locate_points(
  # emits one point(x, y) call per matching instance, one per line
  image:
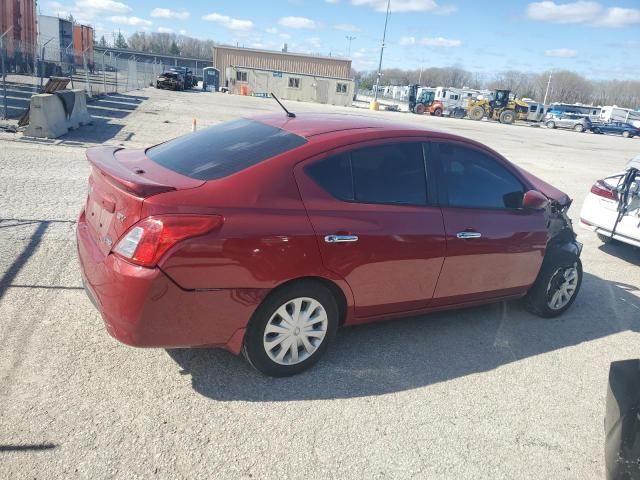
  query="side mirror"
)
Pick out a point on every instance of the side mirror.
point(534, 200)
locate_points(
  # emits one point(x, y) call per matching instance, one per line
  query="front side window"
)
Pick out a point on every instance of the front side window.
point(294, 82)
point(473, 179)
point(393, 173)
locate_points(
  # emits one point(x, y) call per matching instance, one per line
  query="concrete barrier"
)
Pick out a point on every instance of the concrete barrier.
point(48, 119)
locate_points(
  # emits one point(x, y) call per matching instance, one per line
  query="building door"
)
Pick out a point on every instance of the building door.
point(262, 83)
point(322, 91)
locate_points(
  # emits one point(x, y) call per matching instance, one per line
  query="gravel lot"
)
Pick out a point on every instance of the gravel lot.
point(490, 392)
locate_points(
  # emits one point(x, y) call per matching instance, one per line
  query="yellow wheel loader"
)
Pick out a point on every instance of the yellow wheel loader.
point(499, 107)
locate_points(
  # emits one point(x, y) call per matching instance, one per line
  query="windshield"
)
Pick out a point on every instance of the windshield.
point(223, 149)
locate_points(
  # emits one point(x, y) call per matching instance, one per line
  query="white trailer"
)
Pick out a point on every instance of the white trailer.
point(619, 114)
point(455, 98)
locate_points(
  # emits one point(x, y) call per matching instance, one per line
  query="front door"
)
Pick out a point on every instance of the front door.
point(376, 225)
point(494, 247)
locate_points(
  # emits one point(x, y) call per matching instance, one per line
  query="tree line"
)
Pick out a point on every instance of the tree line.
point(565, 86)
point(163, 44)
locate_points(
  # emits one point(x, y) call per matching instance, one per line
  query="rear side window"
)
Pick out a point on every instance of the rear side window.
point(392, 173)
point(476, 180)
point(224, 149)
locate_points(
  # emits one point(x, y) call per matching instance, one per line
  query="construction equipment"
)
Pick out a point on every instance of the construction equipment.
point(425, 102)
point(500, 107)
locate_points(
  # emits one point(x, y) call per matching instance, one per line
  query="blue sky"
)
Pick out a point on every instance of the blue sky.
point(597, 39)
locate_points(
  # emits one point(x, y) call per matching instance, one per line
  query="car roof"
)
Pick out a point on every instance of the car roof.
point(308, 125)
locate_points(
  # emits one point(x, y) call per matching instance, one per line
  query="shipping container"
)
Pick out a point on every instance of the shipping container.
point(55, 35)
point(18, 18)
point(83, 42)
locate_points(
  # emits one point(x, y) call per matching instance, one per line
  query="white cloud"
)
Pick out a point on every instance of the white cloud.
point(620, 17)
point(133, 21)
point(408, 41)
point(398, 5)
point(445, 10)
point(104, 6)
point(297, 22)
point(346, 27)
point(561, 52)
point(230, 23)
point(272, 30)
point(440, 42)
point(583, 12)
point(168, 13)
point(284, 36)
point(165, 30)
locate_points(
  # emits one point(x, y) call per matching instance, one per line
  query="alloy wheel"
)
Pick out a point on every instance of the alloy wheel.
point(295, 331)
point(562, 287)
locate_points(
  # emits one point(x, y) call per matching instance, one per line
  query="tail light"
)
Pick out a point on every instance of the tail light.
point(148, 240)
point(602, 190)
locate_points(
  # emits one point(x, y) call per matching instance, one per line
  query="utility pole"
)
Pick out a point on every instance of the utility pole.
point(546, 93)
point(349, 38)
point(384, 37)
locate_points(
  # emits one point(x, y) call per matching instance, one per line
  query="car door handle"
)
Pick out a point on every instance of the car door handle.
point(340, 238)
point(466, 235)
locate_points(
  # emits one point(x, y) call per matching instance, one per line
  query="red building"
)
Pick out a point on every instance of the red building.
point(20, 42)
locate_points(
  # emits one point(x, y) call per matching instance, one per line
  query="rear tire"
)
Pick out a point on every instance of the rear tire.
point(419, 109)
point(551, 125)
point(437, 112)
point(596, 131)
point(275, 343)
point(508, 117)
point(556, 287)
point(476, 113)
point(626, 134)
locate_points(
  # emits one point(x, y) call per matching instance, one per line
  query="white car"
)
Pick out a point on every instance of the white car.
point(612, 209)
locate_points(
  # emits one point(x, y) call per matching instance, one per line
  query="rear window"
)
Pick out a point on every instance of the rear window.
point(224, 149)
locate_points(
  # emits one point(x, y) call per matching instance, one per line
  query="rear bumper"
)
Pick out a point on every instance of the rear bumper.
point(143, 307)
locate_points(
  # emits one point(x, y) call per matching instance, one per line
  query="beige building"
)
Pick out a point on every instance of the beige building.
point(290, 76)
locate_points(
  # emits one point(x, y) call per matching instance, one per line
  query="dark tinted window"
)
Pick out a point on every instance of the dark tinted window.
point(334, 175)
point(224, 149)
point(389, 174)
point(476, 180)
point(383, 174)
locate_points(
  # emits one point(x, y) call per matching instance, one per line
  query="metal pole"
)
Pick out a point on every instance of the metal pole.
point(546, 93)
point(384, 37)
point(86, 72)
point(4, 80)
point(349, 38)
point(104, 75)
point(116, 67)
point(42, 63)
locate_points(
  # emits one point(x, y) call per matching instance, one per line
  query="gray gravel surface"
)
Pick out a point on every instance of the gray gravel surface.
point(490, 392)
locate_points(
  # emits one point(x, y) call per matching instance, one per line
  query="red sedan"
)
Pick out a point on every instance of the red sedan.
point(264, 235)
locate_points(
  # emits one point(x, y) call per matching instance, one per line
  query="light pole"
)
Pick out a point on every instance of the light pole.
point(546, 93)
point(384, 37)
point(349, 38)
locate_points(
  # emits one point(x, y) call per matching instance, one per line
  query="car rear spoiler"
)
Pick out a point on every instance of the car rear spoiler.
point(104, 160)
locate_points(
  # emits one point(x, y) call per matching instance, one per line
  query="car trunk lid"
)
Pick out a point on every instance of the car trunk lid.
point(120, 181)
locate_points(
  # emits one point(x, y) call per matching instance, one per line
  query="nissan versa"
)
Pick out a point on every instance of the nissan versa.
point(264, 235)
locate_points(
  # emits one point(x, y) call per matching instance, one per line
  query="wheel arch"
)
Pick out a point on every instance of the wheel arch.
point(336, 290)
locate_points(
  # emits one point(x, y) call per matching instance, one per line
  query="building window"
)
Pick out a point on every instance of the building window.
point(241, 76)
point(294, 82)
point(341, 88)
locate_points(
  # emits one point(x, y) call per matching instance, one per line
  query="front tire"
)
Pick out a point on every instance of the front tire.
point(292, 329)
point(419, 109)
point(437, 112)
point(551, 125)
point(556, 287)
point(476, 113)
point(508, 117)
point(579, 128)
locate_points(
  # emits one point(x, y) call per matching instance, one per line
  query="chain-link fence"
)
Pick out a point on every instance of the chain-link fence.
point(25, 70)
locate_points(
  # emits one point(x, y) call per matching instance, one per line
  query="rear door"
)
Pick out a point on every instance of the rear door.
point(494, 247)
point(376, 223)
